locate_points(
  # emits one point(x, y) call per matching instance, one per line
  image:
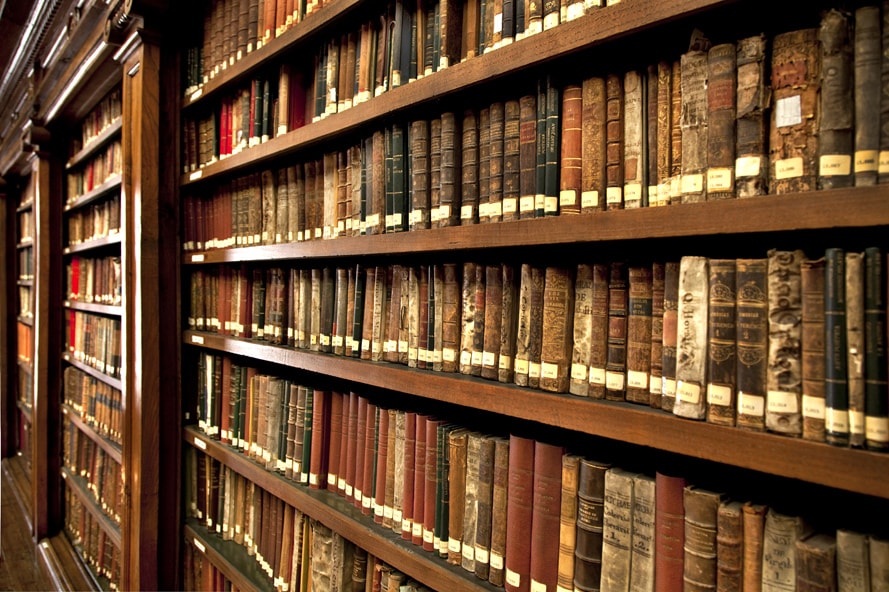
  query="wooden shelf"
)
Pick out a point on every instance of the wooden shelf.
point(111, 239)
point(862, 471)
point(25, 206)
point(78, 485)
point(96, 143)
point(275, 48)
point(229, 557)
point(604, 25)
point(26, 243)
point(334, 512)
point(66, 566)
point(112, 449)
point(112, 183)
point(97, 374)
point(105, 309)
point(812, 210)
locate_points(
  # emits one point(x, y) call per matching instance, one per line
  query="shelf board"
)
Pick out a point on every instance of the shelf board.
point(314, 23)
point(77, 484)
point(24, 409)
point(811, 210)
point(111, 239)
point(110, 184)
point(859, 471)
point(112, 449)
point(333, 511)
point(604, 25)
point(95, 373)
point(25, 243)
point(96, 143)
point(229, 557)
point(105, 309)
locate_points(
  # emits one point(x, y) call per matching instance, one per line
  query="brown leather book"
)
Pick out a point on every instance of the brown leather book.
point(555, 353)
point(478, 330)
point(494, 210)
point(729, 547)
point(721, 342)
point(669, 532)
point(701, 509)
point(393, 315)
point(347, 324)
point(599, 331)
point(450, 194)
point(779, 566)
point(694, 123)
point(431, 477)
point(855, 346)
point(793, 133)
point(390, 435)
point(320, 440)
point(721, 74)
point(676, 134)
point(571, 143)
point(527, 155)
point(420, 175)
point(368, 485)
point(451, 318)
point(691, 355)
point(469, 200)
point(511, 160)
point(593, 158)
point(752, 96)
point(616, 366)
point(457, 446)
point(752, 342)
point(664, 129)
point(784, 386)
point(366, 336)
point(508, 324)
point(634, 157)
point(335, 448)
point(651, 138)
point(496, 571)
point(535, 332)
point(419, 512)
point(468, 316)
point(815, 560)
point(452, 31)
point(374, 222)
point(614, 142)
point(639, 320)
point(379, 312)
point(470, 500)
point(867, 76)
point(340, 311)
point(410, 460)
point(658, 283)
point(617, 530)
point(484, 162)
point(436, 292)
point(642, 556)
point(835, 141)
point(484, 505)
point(583, 326)
point(590, 511)
point(493, 315)
point(568, 520)
point(853, 568)
point(754, 521)
point(547, 484)
point(523, 332)
point(520, 499)
point(434, 172)
point(398, 482)
point(413, 320)
point(812, 287)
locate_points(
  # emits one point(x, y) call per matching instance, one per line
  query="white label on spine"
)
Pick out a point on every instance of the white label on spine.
point(782, 402)
point(406, 525)
point(481, 554)
point(836, 420)
point(692, 183)
point(719, 179)
point(505, 363)
point(534, 370)
point(512, 578)
point(521, 366)
point(633, 193)
point(489, 359)
point(688, 392)
point(466, 213)
point(454, 545)
point(567, 197)
point(498, 23)
point(636, 379)
point(387, 512)
point(788, 111)
point(197, 258)
point(550, 21)
point(813, 407)
point(448, 354)
point(200, 443)
point(550, 371)
point(509, 205)
point(597, 376)
point(579, 372)
point(866, 161)
point(200, 546)
point(551, 204)
point(718, 394)
point(417, 529)
point(199, 339)
point(656, 385)
point(834, 164)
point(468, 552)
point(752, 405)
point(537, 586)
point(884, 162)
point(465, 358)
point(613, 195)
point(856, 422)
point(789, 168)
point(526, 203)
point(496, 560)
point(194, 176)
point(614, 380)
point(877, 428)
point(589, 199)
point(476, 358)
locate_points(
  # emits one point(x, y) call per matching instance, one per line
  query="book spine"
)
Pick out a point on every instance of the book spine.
point(593, 145)
point(721, 84)
point(676, 133)
point(558, 303)
point(836, 394)
point(590, 516)
point(614, 142)
point(752, 342)
point(634, 134)
point(493, 211)
point(511, 160)
point(484, 503)
point(835, 142)
point(469, 204)
point(570, 175)
point(496, 572)
point(664, 125)
point(701, 509)
point(867, 74)
point(778, 557)
point(583, 321)
point(721, 342)
point(669, 532)
point(651, 135)
point(493, 314)
point(508, 325)
point(547, 484)
point(527, 155)
point(520, 492)
point(692, 351)
point(450, 194)
point(694, 126)
point(671, 325)
point(470, 505)
point(616, 366)
point(812, 287)
point(420, 175)
point(535, 331)
point(783, 394)
point(451, 318)
point(639, 319)
point(552, 151)
point(642, 555)
point(729, 547)
point(754, 521)
point(617, 530)
point(457, 448)
point(658, 284)
point(568, 522)
point(883, 168)
point(876, 421)
point(855, 354)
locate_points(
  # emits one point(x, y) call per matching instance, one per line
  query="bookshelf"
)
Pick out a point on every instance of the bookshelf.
point(625, 36)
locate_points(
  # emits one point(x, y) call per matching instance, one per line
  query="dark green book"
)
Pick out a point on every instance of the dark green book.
point(836, 393)
point(307, 437)
point(358, 308)
point(553, 133)
point(876, 403)
point(400, 178)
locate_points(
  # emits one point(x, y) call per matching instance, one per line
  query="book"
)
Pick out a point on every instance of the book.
point(499, 502)
point(669, 532)
point(752, 342)
point(468, 318)
point(520, 500)
point(836, 393)
point(754, 523)
point(639, 321)
point(634, 156)
point(835, 143)
point(558, 303)
point(484, 506)
point(616, 366)
point(527, 155)
point(721, 85)
point(599, 331)
point(692, 351)
point(852, 561)
point(545, 512)
point(694, 123)
point(568, 521)
point(721, 346)
point(470, 503)
point(671, 325)
point(779, 565)
point(512, 142)
point(469, 204)
point(593, 145)
point(878, 548)
point(490, 366)
point(509, 310)
point(450, 318)
point(614, 145)
point(815, 560)
point(617, 530)
point(876, 405)
point(571, 145)
point(812, 287)
point(867, 74)
point(701, 510)
point(590, 512)
point(583, 326)
point(855, 346)
point(730, 546)
point(552, 150)
point(642, 556)
point(664, 130)
point(493, 196)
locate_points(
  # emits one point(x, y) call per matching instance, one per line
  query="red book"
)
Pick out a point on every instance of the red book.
point(335, 442)
point(431, 468)
point(368, 465)
point(419, 481)
point(519, 506)
point(669, 533)
point(545, 516)
point(320, 440)
point(382, 438)
point(407, 496)
point(358, 468)
point(351, 440)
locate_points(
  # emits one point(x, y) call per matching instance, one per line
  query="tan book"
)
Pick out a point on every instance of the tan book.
point(812, 285)
point(568, 520)
point(694, 123)
point(852, 561)
point(701, 510)
point(451, 318)
point(816, 562)
point(642, 566)
point(751, 111)
point(639, 319)
point(457, 442)
point(508, 324)
point(617, 530)
point(730, 547)
point(754, 522)
point(664, 129)
point(691, 355)
point(592, 163)
point(468, 317)
point(779, 565)
point(635, 184)
point(658, 279)
point(558, 304)
point(583, 326)
point(855, 346)
point(490, 366)
point(496, 571)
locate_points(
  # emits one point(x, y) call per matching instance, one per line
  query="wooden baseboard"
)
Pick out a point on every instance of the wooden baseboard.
point(63, 566)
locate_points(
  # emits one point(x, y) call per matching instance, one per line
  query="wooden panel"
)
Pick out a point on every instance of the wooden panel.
point(64, 566)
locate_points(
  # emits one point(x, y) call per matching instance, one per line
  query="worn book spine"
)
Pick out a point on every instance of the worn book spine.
point(593, 134)
point(498, 511)
point(478, 325)
point(664, 125)
point(836, 393)
point(520, 499)
point(590, 511)
point(617, 530)
point(435, 328)
point(694, 126)
point(815, 558)
point(658, 284)
point(754, 522)
point(583, 324)
point(837, 112)
point(651, 137)
point(639, 334)
point(535, 327)
point(855, 355)
point(721, 76)
point(470, 500)
point(634, 155)
point(552, 150)
point(701, 509)
point(852, 561)
point(555, 353)
point(527, 154)
point(616, 365)
point(469, 201)
point(571, 144)
point(419, 509)
point(484, 504)
point(434, 172)
point(405, 527)
point(642, 555)
point(545, 511)
point(457, 446)
point(511, 161)
point(879, 562)
point(492, 211)
point(676, 134)
point(730, 547)
point(568, 522)
point(415, 356)
point(420, 175)
point(783, 394)
point(669, 532)
point(599, 331)
point(779, 565)
point(812, 287)
point(867, 65)
point(431, 475)
point(450, 318)
point(671, 325)
point(752, 342)
point(721, 342)
point(883, 168)
point(692, 350)
point(493, 315)
point(793, 132)
point(450, 192)
point(614, 142)
point(876, 405)
point(508, 324)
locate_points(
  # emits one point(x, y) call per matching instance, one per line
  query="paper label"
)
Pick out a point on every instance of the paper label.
point(417, 529)
point(373, 220)
point(789, 168)
point(567, 197)
point(551, 204)
point(877, 428)
point(498, 23)
point(834, 164)
point(884, 162)
point(466, 213)
point(537, 586)
point(521, 366)
point(200, 546)
point(197, 258)
point(550, 371)
point(526, 203)
point(788, 111)
point(199, 339)
point(856, 422)
point(753, 405)
point(534, 370)
point(813, 407)
point(719, 179)
point(718, 394)
point(549, 21)
point(692, 183)
point(505, 363)
point(476, 358)
point(613, 195)
point(655, 385)
point(867, 161)
point(481, 554)
point(589, 199)
point(597, 376)
point(747, 166)
point(633, 192)
point(489, 359)
point(513, 579)
point(575, 11)
point(579, 372)
point(636, 379)
point(509, 205)
point(200, 443)
point(444, 212)
point(663, 194)
point(454, 545)
point(836, 420)
point(195, 175)
point(782, 402)
point(688, 392)
point(448, 354)
point(614, 381)
point(468, 552)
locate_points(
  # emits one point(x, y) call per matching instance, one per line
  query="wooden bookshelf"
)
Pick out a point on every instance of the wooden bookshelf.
point(230, 558)
point(111, 448)
point(99, 141)
point(109, 186)
point(99, 243)
point(95, 373)
point(104, 309)
point(78, 485)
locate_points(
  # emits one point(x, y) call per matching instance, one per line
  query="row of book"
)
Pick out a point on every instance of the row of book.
point(102, 475)
point(105, 113)
point(94, 340)
point(93, 279)
point(94, 172)
point(26, 264)
point(25, 300)
point(95, 221)
point(25, 226)
point(515, 511)
point(97, 404)
point(90, 540)
point(25, 342)
point(785, 343)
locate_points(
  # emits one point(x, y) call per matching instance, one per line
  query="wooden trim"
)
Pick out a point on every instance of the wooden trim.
point(111, 239)
point(63, 565)
point(230, 558)
point(97, 374)
point(858, 207)
point(77, 484)
point(105, 309)
point(112, 183)
point(18, 479)
point(333, 511)
point(112, 130)
point(111, 448)
point(815, 462)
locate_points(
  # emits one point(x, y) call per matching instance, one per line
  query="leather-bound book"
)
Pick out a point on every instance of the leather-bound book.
point(779, 566)
point(793, 135)
point(364, 328)
point(484, 505)
point(592, 134)
point(752, 342)
point(484, 161)
point(701, 509)
point(583, 325)
point(676, 134)
point(816, 562)
point(835, 141)
point(420, 175)
point(558, 304)
point(568, 521)
point(639, 335)
point(599, 331)
point(754, 522)
point(520, 499)
point(535, 347)
point(523, 327)
point(469, 169)
point(590, 511)
point(651, 139)
point(614, 142)
point(511, 160)
point(494, 210)
point(553, 149)
point(336, 441)
point(478, 331)
point(442, 493)
point(435, 322)
point(721, 342)
point(634, 165)
point(721, 73)
point(544, 566)
point(430, 492)
point(671, 325)
point(617, 530)
point(320, 440)
point(784, 387)
point(467, 320)
point(379, 312)
point(451, 318)
point(664, 125)
point(508, 323)
point(852, 561)
point(836, 392)
point(434, 172)
point(694, 123)
point(457, 446)
point(571, 144)
point(498, 511)
point(347, 321)
point(413, 320)
point(855, 355)
point(642, 556)
point(340, 309)
point(691, 354)
point(876, 405)
point(392, 461)
point(425, 307)
point(419, 511)
point(812, 286)
point(867, 64)
point(527, 155)
point(470, 500)
point(616, 365)
point(493, 314)
point(368, 482)
point(657, 334)
point(407, 496)
point(669, 529)
point(450, 193)
point(451, 33)
point(730, 547)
